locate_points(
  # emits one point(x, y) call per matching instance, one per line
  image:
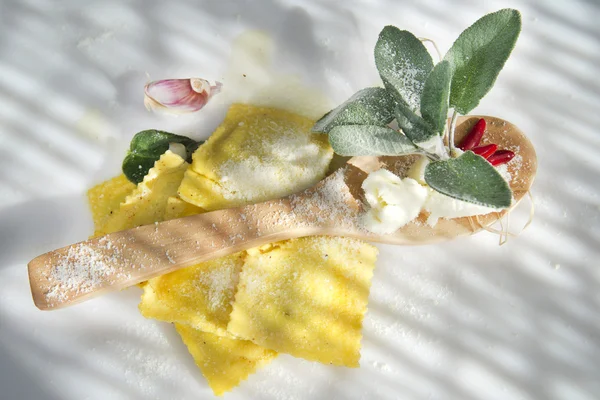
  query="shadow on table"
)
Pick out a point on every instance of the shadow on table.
point(34, 227)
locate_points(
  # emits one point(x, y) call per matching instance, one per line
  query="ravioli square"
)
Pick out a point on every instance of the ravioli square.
point(306, 297)
point(199, 296)
point(256, 154)
point(177, 208)
point(147, 203)
point(202, 192)
point(105, 199)
point(224, 362)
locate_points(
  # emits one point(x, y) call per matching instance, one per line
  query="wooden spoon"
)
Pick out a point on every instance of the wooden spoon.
point(332, 207)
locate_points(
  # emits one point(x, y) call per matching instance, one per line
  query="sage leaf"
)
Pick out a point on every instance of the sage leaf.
point(419, 131)
point(136, 166)
point(370, 106)
point(369, 140)
point(478, 55)
point(145, 149)
point(403, 63)
point(469, 178)
point(436, 96)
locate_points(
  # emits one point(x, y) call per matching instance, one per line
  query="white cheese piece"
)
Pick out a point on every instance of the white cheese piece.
point(441, 206)
point(394, 202)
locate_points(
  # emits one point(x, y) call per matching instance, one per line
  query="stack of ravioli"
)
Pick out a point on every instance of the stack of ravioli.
point(305, 297)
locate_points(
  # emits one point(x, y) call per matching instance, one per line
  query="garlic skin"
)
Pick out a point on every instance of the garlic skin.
point(179, 96)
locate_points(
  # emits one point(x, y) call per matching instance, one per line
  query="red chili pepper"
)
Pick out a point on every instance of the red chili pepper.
point(485, 151)
point(501, 157)
point(473, 139)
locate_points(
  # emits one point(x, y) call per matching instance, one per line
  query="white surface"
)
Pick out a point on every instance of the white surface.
point(462, 320)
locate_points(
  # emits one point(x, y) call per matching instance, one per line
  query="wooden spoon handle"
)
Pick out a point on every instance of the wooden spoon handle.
point(74, 273)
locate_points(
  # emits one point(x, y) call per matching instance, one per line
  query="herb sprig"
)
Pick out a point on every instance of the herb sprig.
point(419, 94)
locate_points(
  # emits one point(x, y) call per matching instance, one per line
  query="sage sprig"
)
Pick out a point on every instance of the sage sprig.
point(469, 173)
point(419, 95)
point(370, 106)
point(419, 131)
point(478, 55)
point(403, 63)
point(436, 95)
point(351, 140)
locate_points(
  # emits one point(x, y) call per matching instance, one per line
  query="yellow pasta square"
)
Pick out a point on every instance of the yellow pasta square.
point(256, 154)
point(199, 296)
point(198, 299)
point(177, 208)
point(224, 362)
point(306, 297)
point(147, 203)
point(200, 191)
point(105, 199)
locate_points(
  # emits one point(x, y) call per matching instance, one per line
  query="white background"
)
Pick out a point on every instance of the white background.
point(461, 320)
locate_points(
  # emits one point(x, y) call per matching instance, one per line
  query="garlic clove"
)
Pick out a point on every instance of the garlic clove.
point(179, 96)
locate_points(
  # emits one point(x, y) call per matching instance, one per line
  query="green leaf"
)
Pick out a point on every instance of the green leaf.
point(469, 178)
point(418, 130)
point(145, 149)
point(403, 63)
point(152, 141)
point(369, 140)
point(136, 166)
point(478, 55)
point(370, 106)
point(436, 96)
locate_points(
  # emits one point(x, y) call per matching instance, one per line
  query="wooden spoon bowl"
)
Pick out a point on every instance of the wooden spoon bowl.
point(332, 207)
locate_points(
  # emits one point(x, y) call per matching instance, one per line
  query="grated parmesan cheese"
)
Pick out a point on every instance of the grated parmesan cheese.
point(329, 202)
point(251, 177)
point(84, 269)
point(221, 283)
